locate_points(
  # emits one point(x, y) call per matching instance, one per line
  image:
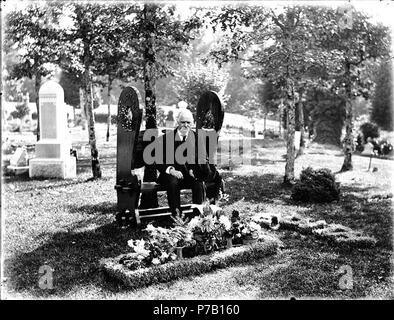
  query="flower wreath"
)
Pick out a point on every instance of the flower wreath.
point(128, 116)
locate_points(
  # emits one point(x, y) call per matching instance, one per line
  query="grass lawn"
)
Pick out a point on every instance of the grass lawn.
point(69, 225)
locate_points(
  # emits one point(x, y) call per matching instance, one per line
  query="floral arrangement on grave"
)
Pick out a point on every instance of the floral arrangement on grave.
point(209, 229)
point(251, 231)
point(242, 230)
point(204, 233)
point(159, 248)
point(209, 120)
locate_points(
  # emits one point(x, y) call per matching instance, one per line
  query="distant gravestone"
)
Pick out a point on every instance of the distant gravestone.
point(52, 158)
point(19, 158)
point(19, 161)
point(368, 149)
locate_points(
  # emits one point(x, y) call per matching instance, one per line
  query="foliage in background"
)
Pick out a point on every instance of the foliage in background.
point(276, 46)
point(103, 118)
point(269, 95)
point(353, 41)
point(194, 79)
point(32, 35)
point(382, 103)
point(369, 130)
point(239, 89)
point(21, 111)
point(327, 115)
point(71, 83)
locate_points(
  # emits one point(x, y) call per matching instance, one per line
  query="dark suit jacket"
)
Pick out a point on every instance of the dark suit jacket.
point(201, 171)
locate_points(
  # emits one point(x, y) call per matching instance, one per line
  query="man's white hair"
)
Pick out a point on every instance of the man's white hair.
point(185, 115)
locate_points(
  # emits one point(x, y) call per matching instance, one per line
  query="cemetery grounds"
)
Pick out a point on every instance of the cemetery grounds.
point(69, 225)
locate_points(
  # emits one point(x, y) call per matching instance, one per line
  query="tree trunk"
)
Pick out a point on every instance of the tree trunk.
point(149, 200)
point(88, 97)
point(348, 143)
point(265, 121)
point(280, 116)
point(109, 106)
point(302, 124)
point(37, 89)
point(290, 157)
point(82, 105)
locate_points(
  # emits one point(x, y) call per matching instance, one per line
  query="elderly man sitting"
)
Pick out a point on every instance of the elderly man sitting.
point(179, 171)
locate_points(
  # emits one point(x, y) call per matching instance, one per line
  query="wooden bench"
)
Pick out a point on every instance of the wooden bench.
point(129, 150)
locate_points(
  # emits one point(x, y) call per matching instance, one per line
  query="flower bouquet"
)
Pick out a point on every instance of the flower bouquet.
point(209, 229)
point(146, 253)
point(160, 246)
point(250, 232)
point(234, 232)
point(242, 231)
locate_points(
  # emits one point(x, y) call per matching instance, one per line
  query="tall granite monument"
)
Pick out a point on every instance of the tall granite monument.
point(52, 158)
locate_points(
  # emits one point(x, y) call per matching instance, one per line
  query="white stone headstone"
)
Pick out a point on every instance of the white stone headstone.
point(19, 158)
point(368, 149)
point(53, 158)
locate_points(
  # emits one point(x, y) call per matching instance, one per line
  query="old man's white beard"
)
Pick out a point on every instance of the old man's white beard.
point(183, 131)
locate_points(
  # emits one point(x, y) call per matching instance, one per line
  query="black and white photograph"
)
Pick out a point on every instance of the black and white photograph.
point(209, 151)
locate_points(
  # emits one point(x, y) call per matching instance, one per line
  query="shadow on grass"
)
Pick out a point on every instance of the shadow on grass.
point(309, 269)
point(106, 207)
point(256, 188)
point(57, 183)
point(74, 257)
point(360, 210)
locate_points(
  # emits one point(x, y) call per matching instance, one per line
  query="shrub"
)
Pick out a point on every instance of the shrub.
point(316, 186)
point(269, 133)
point(369, 129)
point(359, 143)
point(21, 111)
point(102, 118)
point(170, 116)
point(385, 147)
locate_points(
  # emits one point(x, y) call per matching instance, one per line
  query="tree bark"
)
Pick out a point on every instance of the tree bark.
point(88, 97)
point(37, 89)
point(348, 143)
point(82, 106)
point(149, 200)
point(290, 156)
point(280, 116)
point(301, 123)
point(109, 106)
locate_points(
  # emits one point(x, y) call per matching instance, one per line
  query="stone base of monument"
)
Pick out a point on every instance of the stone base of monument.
point(53, 168)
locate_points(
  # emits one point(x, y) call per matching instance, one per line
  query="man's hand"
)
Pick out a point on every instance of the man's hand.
point(191, 174)
point(176, 174)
